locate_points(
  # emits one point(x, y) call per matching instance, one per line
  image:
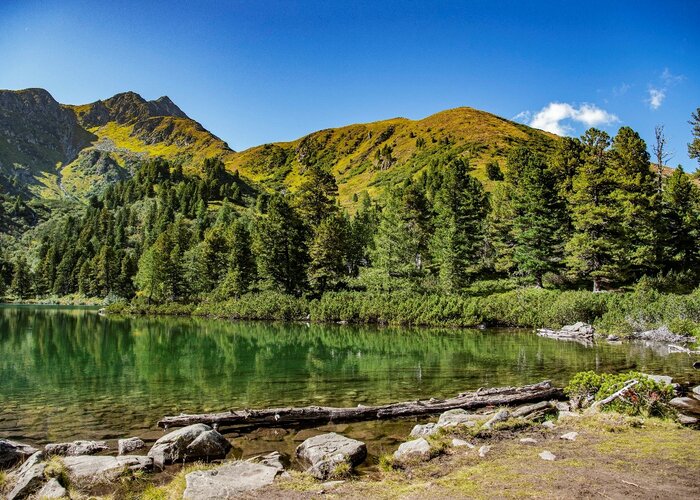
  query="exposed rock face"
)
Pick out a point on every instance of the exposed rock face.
point(194, 442)
point(91, 469)
point(326, 451)
point(12, 452)
point(28, 479)
point(229, 480)
point(76, 448)
point(662, 334)
point(418, 449)
point(129, 445)
point(52, 489)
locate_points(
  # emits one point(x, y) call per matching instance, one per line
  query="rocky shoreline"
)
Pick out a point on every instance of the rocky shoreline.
point(68, 470)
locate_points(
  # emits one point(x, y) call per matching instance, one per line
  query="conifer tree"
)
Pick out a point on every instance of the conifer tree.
point(694, 145)
point(241, 270)
point(315, 199)
point(458, 243)
point(21, 285)
point(327, 267)
point(681, 218)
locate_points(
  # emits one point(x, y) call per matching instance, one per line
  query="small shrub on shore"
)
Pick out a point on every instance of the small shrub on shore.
point(646, 398)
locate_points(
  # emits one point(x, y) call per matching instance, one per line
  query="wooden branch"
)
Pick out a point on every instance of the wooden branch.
point(288, 417)
point(613, 397)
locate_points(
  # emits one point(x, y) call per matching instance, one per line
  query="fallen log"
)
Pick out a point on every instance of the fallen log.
point(287, 417)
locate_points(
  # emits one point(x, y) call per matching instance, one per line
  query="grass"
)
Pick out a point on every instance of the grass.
point(176, 487)
point(55, 468)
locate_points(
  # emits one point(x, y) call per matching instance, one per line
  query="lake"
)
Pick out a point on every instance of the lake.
point(69, 373)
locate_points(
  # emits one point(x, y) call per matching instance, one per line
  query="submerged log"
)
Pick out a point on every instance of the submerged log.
point(281, 417)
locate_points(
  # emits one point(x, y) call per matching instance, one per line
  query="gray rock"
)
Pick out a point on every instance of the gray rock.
point(424, 430)
point(75, 448)
point(500, 416)
point(52, 489)
point(662, 334)
point(528, 441)
point(562, 406)
point(568, 414)
point(484, 450)
point(569, 436)
point(273, 459)
point(686, 419)
point(696, 390)
point(28, 478)
point(659, 379)
point(686, 405)
point(459, 443)
point(12, 452)
point(612, 338)
point(453, 418)
point(228, 480)
point(88, 469)
point(326, 451)
point(418, 449)
point(548, 424)
point(548, 455)
point(129, 445)
point(194, 442)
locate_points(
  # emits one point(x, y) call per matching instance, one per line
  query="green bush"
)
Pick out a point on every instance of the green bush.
point(646, 398)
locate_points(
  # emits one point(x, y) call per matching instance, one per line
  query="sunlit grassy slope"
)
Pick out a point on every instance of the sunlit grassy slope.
point(359, 154)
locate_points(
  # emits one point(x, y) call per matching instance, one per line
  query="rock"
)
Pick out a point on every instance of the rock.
point(129, 445)
point(612, 338)
point(528, 441)
point(580, 332)
point(484, 450)
point(548, 455)
point(569, 436)
point(659, 379)
point(329, 485)
point(424, 430)
point(686, 404)
point(562, 406)
point(580, 328)
point(548, 424)
point(696, 390)
point(29, 480)
point(418, 449)
point(89, 469)
point(534, 410)
point(194, 442)
point(568, 414)
point(458, 443)
point(273, 459)
point(12, 452)
point(500, 416)
point(228, 480)
point(686, 419)
point(662, 334)
point(75, 448)
point(52, 489)
point(453, 418)
point(326, 451)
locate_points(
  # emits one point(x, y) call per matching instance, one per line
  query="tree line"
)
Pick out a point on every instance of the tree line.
point(595, 212)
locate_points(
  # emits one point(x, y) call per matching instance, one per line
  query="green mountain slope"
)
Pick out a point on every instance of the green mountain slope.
point(53, 151)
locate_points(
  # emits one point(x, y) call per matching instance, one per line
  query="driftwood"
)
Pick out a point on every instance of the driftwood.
point(613, 397)
point(281, 417)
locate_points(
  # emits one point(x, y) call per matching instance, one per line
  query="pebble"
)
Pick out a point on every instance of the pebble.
point(548, 455)
point(548, 424)
point(570, 436)
point(484, 450)
point(461, 442)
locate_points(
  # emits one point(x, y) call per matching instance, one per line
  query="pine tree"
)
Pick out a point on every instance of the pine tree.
point(539, 215)
point(458, 243)
point(694, 145)
point(595, 251)
point(401, 243)
point(500, 238)
point(315, 199)
point(681, 218)
point(241, 271)
point(363, 229)
point(327, 268)
point(280, 247)
point(21, 285)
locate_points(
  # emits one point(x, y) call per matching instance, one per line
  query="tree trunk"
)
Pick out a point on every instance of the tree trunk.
point(290, 417)
point(596, 285)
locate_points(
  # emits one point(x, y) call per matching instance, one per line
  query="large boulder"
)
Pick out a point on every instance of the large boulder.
point(28, 479)
point(416, 450)
point(76, 448)
point(88, 469)
point(12, 452)
point(326, 452)
point(228, 480)
point(194, 442)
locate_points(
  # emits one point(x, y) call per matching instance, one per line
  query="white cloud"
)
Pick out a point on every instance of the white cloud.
point(550, 117)
point(522, 117)
point(656, 97)
point(670, 79)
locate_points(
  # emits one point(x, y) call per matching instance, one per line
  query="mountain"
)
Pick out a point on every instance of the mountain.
point(52, 150)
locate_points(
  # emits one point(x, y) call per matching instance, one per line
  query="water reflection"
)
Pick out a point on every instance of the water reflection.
point(68, 373)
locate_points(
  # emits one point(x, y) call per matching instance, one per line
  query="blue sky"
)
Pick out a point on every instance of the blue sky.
point(255, 72)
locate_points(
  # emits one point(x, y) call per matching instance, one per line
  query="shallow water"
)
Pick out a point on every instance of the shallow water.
point(69, 373)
